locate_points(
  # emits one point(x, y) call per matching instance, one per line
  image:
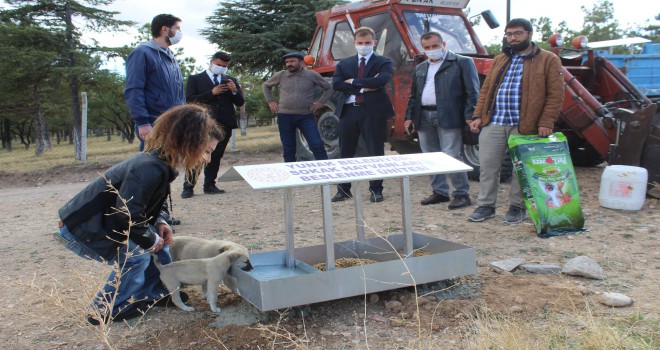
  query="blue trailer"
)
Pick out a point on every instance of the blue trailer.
point(643, 68)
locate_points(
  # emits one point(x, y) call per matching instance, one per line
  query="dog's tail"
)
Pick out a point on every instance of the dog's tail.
point(157, 262)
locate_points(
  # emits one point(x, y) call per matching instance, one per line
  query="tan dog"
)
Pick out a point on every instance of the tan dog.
point(187, 247)
point(208, 273)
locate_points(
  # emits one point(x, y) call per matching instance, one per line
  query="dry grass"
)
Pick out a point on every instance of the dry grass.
point(580, 329)
point(103, 152)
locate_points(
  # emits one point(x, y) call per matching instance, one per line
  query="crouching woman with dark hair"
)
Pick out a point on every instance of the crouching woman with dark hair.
point(116, 218)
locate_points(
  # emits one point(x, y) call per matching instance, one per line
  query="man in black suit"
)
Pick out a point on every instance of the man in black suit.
point(220, 93)
point(366, 105)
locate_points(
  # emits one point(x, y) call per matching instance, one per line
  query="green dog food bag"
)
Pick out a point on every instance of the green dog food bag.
point(545, 172)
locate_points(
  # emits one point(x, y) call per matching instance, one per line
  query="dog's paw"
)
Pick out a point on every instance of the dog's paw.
point(188, 308)
point(216, 309)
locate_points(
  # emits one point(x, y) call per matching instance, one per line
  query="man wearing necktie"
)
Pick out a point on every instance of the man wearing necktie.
point(366, 106)
point(220, 93)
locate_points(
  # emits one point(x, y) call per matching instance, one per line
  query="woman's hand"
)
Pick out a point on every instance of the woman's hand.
point(157, 246)
point(165, 231)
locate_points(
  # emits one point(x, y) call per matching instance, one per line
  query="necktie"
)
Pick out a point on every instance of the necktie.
point(215, 80)
point(359, 98)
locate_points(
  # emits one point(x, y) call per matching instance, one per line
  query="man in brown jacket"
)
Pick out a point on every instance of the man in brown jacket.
point(522, 95)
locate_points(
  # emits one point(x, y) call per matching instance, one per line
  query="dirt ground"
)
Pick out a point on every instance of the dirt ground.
point(45, 288)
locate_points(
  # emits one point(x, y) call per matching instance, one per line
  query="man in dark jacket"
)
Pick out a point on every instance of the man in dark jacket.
point(154, 82)
point(365, 106)
point(444, 92)
point(522, 95)
point(220, 92)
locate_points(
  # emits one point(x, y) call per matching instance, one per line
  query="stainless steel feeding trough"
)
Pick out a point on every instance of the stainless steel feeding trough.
point(287, 278)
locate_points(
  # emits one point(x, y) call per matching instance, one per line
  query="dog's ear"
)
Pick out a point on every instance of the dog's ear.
point(233, 255)
point(222, 250)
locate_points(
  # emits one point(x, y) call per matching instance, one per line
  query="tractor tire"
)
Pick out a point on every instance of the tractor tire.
point(328, 125)
point(583, 154)
point(471, 157)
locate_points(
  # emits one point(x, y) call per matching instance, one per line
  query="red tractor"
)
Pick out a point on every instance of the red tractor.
point(605, 117)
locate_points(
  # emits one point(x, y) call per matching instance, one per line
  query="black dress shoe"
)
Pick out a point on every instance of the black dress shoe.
point(213, 190)
point(341, 196)
point(187, 193)
point(460, 202)
point(435, 199)
point(376, 197)
point(173, 221)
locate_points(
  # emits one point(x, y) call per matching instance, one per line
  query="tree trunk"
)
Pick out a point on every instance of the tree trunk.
point(108, 132)
point(74, 85)
point(41, 142)
point(6, 134)
point(23, 133)
point(47, 136)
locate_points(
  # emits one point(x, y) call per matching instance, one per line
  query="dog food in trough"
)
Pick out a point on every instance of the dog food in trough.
point(346, 262)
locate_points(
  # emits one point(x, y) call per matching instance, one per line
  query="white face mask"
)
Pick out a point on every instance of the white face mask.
point(219, 70)
point(176, 38)
point(435, 55)
point(364, 50)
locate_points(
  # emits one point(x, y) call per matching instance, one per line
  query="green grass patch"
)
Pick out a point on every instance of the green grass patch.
point(102, 152)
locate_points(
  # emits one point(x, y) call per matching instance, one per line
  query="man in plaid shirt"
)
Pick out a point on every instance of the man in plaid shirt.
point(522, 95)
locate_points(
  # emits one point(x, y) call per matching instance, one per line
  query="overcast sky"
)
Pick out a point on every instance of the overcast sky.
point(193, 13)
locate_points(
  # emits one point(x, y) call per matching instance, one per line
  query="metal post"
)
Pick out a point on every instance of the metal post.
point(327, 229)
point(406, 216)
point(83, 131)
point(288, 225)
point(359, 212)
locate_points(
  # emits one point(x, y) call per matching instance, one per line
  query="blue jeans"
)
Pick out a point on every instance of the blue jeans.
point(139, 278)
point(306, 123)
point(433, 138)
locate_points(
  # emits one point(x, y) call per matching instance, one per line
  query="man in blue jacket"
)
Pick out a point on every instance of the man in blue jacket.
point(444, 92)
point(154, 82)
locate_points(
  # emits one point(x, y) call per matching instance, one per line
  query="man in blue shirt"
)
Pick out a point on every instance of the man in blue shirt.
point(154, 82)
point(522, 94)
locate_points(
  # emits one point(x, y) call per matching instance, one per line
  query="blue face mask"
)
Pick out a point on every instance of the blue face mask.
point(176, 38)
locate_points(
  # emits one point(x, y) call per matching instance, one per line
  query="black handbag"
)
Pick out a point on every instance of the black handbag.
point(470, 138)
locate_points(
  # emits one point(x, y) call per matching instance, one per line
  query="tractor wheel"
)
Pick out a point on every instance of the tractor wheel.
point(583, 154)
point(328, 125)
point(471, 157)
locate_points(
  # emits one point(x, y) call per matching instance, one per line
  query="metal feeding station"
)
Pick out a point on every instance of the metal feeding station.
point(286, 278)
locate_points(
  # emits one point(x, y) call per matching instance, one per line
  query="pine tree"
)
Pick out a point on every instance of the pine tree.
point(59, 15)
point(258, 32)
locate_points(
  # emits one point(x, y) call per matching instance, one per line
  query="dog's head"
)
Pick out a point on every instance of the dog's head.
point(240, 258)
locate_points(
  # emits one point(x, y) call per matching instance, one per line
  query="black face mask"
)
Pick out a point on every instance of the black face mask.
point(521, 46)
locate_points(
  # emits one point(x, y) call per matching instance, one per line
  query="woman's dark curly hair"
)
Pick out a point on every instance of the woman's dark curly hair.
point(181, 134)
